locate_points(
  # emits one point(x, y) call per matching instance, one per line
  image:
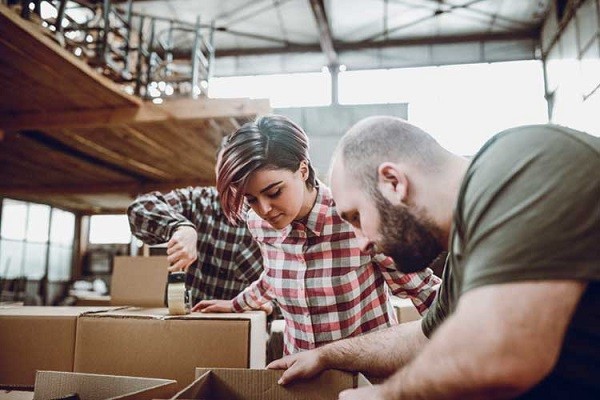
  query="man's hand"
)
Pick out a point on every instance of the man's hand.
point(299, 366)
point(182, 248)
point(216, 306)
point(374, 392)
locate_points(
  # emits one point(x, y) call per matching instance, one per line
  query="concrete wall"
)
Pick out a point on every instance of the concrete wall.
point(571, 54)
point(325, 126)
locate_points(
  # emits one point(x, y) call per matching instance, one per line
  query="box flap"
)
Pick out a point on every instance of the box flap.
point(259, 384)
point(139, 281)
point(51, 385)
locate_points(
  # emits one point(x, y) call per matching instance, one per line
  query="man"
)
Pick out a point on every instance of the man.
point(220, 259)
point(518, 314)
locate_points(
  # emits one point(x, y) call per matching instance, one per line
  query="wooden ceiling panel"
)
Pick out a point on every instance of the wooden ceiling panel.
point(28, 57)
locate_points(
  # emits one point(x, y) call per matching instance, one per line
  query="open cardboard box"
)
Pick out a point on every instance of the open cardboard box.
point(149, 342)
point(53, 385)
point(261, 384)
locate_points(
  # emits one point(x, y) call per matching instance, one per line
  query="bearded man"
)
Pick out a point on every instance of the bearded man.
point(518, 314)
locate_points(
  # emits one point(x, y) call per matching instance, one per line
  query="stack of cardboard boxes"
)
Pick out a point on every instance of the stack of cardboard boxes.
point(97, 347)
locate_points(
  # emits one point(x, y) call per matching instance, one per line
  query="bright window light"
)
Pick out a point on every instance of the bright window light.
point(462, 106)
point(284, 90)
point(62, 230)
point(14, 217)
point(38, 223)
point(109, 229)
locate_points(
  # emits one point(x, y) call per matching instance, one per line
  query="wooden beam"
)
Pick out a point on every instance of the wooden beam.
point(130, 188)
point(325, 36)
point(28, 48)
point(180, 109)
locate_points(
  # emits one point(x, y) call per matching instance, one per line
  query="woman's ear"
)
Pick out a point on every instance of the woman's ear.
point(392, 182)
point(304, 170)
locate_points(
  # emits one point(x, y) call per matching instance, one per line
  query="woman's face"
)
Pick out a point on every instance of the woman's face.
point(277, 195)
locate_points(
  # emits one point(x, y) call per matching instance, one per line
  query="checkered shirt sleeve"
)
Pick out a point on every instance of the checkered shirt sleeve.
point(228, 258)
point(326, 287)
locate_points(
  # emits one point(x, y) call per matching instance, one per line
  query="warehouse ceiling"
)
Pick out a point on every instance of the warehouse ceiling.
point(271, 36)
point(71, 138)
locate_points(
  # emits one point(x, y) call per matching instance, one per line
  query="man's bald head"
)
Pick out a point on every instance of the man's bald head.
point(375, 140)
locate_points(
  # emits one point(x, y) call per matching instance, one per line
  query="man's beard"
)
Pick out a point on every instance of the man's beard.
point(411, 240)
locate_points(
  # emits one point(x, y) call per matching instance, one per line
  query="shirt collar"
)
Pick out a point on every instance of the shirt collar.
point(315, 220)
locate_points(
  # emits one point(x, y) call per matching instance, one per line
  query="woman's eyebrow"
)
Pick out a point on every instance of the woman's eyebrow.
point(270, 186)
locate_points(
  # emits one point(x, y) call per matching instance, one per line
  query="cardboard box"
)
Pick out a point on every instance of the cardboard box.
point(52, 385)
point(150, 343)
point(249, 384)
point(139, 281)
point(34, 338)
point(405, 310)
point(9, 394)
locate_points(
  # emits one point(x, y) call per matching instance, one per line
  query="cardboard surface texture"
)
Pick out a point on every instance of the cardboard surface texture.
point(405, 310)
point(150, 343)
point(139, 281)
point(52, 385)
point(16, 394)
point(34, 338)
point(249, 384)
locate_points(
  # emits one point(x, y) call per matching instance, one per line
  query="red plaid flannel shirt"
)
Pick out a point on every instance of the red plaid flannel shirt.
point(327, 288)
point(228, 258)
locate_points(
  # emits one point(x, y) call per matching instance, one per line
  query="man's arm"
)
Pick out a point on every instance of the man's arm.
point(153, 217)
point(375, 354)
point(502, 340)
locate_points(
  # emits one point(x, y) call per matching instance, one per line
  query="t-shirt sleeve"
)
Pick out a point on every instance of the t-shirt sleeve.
point(439, 309)
point(530, 209)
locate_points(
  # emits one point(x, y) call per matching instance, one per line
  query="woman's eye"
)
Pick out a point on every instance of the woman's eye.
point(275, 194)
point(250, 201)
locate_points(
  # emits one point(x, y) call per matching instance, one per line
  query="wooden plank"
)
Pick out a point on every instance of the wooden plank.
point(99, 188)
point(183, 109)
point(24, 40)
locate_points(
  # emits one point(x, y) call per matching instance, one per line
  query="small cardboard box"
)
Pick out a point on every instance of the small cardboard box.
point(139, 281)
point(52, 385)
point(254, 384)
point(33, 338)
point(150, 343)
point(405, 310)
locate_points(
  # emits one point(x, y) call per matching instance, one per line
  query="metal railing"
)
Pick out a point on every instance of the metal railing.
point(135, 50)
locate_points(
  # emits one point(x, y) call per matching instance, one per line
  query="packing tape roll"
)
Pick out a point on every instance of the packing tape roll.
point(178, 299)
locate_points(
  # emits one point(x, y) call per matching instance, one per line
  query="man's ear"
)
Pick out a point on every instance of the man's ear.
point(392, 182)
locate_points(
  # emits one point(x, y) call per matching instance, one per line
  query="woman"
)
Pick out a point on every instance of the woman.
point(327, 287)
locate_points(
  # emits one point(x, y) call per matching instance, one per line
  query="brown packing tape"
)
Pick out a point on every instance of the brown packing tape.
point(51, 385)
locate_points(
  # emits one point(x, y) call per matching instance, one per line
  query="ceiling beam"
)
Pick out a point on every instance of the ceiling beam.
point(325, 36)
point(176, 109)
point(107, 188)
point(354, 46)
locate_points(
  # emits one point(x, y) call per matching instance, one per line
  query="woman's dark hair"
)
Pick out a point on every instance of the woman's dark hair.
point(269, 142)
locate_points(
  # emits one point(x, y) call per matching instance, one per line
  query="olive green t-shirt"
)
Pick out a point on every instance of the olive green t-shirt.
point(529, 209)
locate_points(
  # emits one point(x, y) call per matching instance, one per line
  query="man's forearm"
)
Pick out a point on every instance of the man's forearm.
point(377, 354)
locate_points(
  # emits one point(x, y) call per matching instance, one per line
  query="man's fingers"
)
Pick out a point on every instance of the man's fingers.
point(278, 364)
point(178, 266)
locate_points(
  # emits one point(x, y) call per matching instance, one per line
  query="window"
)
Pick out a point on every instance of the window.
point(28, 241)
point(109, 229)
point(462, 106)
point(283, 90)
